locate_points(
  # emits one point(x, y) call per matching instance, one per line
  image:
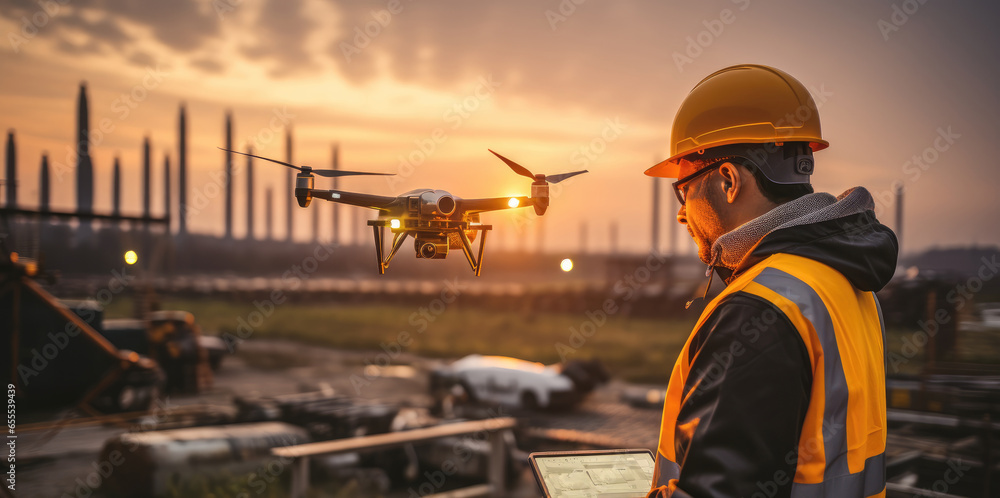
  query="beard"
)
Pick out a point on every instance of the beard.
point(707, 227)
point(704, 247)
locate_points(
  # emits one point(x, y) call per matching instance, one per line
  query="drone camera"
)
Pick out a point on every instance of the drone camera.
point(304, 183)
point(432, 248)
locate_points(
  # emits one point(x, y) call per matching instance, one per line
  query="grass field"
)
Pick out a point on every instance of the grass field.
point(639, 350)
point(633, 349)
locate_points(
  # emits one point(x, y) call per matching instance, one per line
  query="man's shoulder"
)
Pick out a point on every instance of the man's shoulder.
point(745, 321)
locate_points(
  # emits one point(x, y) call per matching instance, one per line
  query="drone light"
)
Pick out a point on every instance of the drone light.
point(513, 202)
point(131, 257)
point(394, 223)
point(566, 264)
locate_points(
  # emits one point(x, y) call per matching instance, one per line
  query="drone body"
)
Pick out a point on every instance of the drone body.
point(437, 220)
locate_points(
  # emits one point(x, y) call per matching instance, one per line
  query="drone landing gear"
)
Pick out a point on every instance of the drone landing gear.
point(378, 227)
point(476, 262)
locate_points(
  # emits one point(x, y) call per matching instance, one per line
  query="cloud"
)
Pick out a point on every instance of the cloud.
point(105, 30)
point(282, 29)
point(142, 59)
point(90, 47)
point(584, 60)
point(179, 24)
point(208, 65)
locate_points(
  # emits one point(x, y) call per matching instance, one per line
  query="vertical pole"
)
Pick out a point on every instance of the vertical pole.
point(674, 208)
point(166, 191)
point(269, 213)
point(229, 175)
point(656, 215)
point(146, 180)
point(300, 477)
point(116, 189)
point(250, 197)
point(43, 184)
point(336, 186)
point(931, 349)
point(899, 216)
point(11, 159)
point(498, 460)
point(290, 185)
point(182, 173)
point(84, 167)
point(15, 328)
point(315, 222)
point(987, 453)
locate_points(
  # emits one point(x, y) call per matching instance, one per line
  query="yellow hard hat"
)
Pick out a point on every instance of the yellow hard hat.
point(747, 103)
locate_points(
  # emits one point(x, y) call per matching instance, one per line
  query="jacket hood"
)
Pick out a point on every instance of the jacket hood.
point(841, 232)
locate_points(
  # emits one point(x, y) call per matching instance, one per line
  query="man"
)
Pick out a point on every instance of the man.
point(780, 389)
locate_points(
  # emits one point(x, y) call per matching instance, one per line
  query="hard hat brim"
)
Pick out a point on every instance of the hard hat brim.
point(671, 167)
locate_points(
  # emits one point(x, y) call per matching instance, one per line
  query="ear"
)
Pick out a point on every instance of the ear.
point(732, 182)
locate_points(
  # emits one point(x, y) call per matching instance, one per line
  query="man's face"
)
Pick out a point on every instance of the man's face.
point(703, 197)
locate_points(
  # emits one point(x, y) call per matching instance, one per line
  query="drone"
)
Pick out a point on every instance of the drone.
point(437, 220)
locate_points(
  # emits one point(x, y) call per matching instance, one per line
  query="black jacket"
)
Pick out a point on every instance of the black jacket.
point(751, 406)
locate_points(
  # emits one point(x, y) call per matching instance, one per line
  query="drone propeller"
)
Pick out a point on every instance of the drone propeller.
point(521, 170)
point(328, 173)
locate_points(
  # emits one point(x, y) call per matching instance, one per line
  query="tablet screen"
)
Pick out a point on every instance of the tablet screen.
point(608, 473)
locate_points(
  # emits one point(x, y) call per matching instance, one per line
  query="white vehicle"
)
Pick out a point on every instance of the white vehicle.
point(518, 383)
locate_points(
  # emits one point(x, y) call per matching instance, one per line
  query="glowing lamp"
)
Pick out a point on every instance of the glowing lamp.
point(394, 223)
point(513, 202)
point(566, 264)
point(131, 257)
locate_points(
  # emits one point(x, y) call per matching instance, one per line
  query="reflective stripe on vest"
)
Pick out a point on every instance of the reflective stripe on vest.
point(837, 478)
point(665, 471)
point(844, 428)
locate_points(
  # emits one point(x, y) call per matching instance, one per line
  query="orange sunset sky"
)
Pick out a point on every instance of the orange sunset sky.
point(554, 85)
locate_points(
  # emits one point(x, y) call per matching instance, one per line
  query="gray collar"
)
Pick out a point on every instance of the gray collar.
point(733, 247)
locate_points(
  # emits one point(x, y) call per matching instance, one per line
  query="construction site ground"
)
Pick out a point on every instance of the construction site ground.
point(53, 462)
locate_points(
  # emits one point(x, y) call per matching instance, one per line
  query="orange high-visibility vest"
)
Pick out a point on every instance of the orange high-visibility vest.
point(841, 449)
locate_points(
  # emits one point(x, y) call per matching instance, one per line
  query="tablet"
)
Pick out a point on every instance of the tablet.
point(604, 473)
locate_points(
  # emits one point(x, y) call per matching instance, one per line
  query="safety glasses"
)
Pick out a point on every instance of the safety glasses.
point(681, 192)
